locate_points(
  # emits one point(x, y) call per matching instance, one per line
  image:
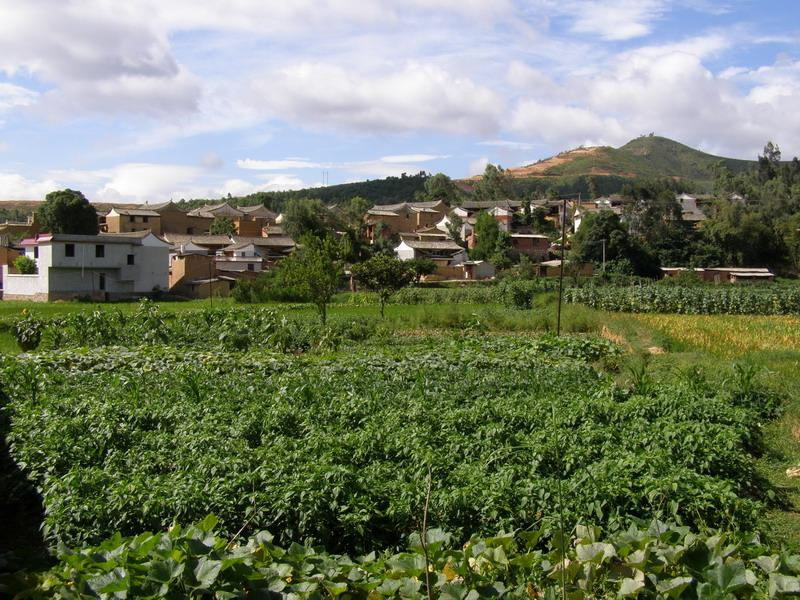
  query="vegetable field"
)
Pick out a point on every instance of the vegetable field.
point(344, 443)
point(337, 449)
point(693, 300)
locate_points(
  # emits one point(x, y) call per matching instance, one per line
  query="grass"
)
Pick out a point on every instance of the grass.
point(710, 345)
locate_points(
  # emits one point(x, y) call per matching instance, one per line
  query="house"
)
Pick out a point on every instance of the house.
point(405, 217)
point(196, 276)
point(533, 245)
point(102, 267)
point(552, 268)
point(175, 220)
point(477, 269)
point(127, 220)
point(241, 256)
point(689, 209)
point(446, 254)
point(17, 230)
point(724, 274)
point(247, 221)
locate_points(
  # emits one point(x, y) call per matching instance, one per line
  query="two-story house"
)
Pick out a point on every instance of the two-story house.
point(102, 267)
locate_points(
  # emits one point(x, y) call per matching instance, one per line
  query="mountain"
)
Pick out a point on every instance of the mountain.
point(644, 157)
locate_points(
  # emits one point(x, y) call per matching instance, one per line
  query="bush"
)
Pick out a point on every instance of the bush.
point(269, 286)
point(25, 265)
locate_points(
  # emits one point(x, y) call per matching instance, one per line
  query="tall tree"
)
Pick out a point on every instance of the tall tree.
point(627, 252)
point(306, 216)
point(440, 187)
point(315, 270)
point(383, 275)
point(496, 185)
point(222, 226)
point(68, 211)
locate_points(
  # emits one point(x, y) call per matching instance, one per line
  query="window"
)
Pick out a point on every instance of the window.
point(69, 250)
point(251, 267)
point(99, 251)
point(131, 259)
point(190, 230)
point(36, 252)
point(145, 219)
point(102, 284)
point(132, 219)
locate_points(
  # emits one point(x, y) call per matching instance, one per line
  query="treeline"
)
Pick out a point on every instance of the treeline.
point(390, 190)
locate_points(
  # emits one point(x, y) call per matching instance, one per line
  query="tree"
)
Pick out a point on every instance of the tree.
point(621, 247)
point(68, 211)
point(383, 275)
point(490, 242)
point(769, 163)
point(440, 187)
point(222, 226)
point(350, 222)
point(420, 267)
point(454, 227)
point(306, 216)
point(496, 185)
point(25, 265)
point(315, 270)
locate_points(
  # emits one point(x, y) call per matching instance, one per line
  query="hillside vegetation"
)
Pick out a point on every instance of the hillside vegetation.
point(644, 157)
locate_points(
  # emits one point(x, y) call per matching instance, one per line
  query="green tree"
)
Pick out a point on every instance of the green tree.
point(315, 270)
point(440, 187)
point(306, 216)
point(383, 275)
point(454, 227)
point(68, 211)
point(350, 224)
point(420, 267)
point(222, 226)
point(621, 247)
point(25, 265)
point(496, 185)
point(769, 163)
point(490, 242)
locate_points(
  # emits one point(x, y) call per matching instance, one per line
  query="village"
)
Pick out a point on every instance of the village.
point(160, 248)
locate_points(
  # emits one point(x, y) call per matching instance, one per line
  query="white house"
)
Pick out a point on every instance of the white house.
point(103, 267)
point(444, 252)
point(243, 256)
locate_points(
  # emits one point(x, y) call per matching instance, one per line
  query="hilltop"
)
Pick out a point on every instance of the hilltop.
point(643, 157)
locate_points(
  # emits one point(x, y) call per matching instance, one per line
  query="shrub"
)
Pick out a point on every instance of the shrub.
point(25, 265)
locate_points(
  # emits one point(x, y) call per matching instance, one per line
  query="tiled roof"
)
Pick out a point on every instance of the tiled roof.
point(431, 245)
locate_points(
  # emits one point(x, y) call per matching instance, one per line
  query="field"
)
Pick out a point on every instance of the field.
point(469, 419)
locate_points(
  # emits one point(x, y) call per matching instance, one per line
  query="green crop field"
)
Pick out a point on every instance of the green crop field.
point(461, 443)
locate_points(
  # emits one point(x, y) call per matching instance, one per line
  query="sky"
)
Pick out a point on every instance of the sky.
point(146, 101)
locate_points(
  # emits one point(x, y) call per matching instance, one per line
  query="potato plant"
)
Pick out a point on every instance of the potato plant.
point(335, 449)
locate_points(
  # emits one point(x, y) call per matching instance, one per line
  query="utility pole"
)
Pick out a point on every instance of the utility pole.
point(561, 270)
point(604, 255)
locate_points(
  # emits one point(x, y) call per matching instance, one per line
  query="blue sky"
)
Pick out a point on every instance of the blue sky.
point(149, 100)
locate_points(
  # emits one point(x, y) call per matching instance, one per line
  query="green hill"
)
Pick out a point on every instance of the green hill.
point(643, 157)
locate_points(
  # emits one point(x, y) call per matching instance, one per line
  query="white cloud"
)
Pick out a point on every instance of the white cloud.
point(12, 96)
point(415, 97)
point(478, 166)
point(95, 56)
point(383, 167)
point(16, 187)
point(508, 144)
point(614, 19)
point(411, 158)
point(276, 183)
point(279, 165)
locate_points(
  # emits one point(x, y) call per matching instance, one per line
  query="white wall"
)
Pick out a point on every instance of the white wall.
point(404, 252)
point(24, 285)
